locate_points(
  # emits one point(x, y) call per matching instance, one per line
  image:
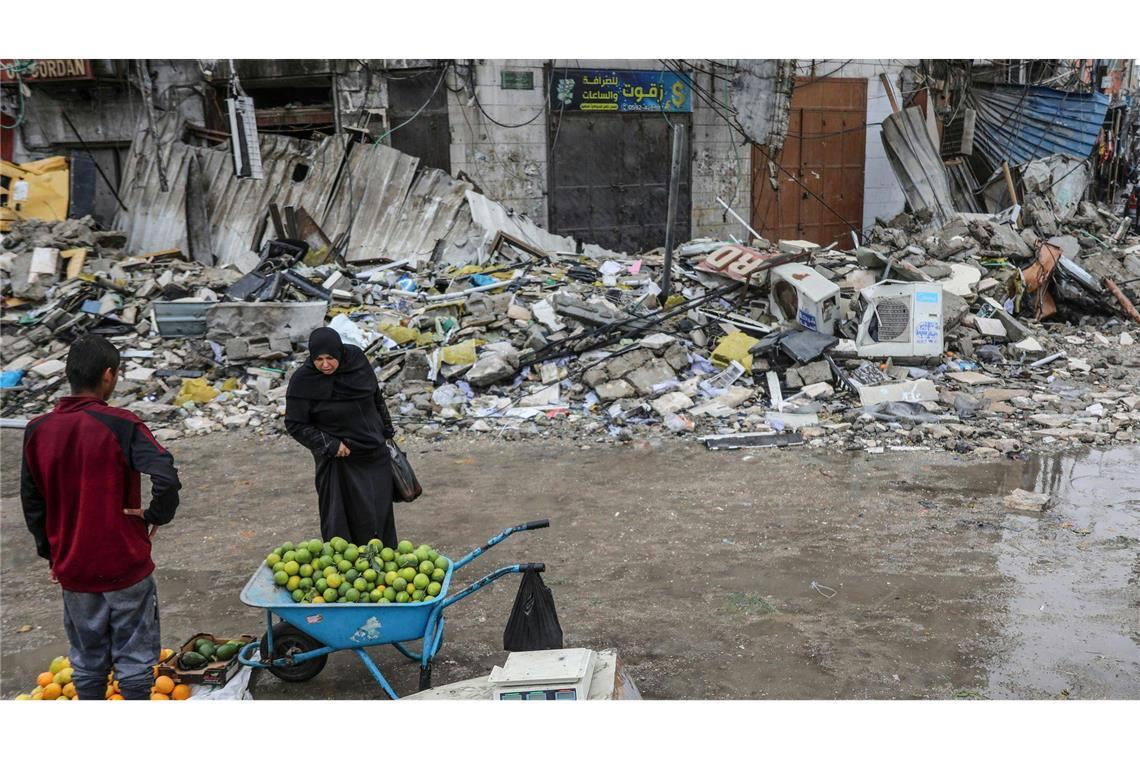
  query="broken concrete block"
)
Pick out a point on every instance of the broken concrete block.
point(808, 374)
point(671, 403)
point(237, 349)
point(49, 368)
point(622, 365)
point(657, 341)
point(656, 371)
point(492, 367)
point(818, 390)
point(614, 390)
point(677, 357)
point(917, 390)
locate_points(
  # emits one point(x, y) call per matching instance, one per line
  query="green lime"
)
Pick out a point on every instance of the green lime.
point(426, 567)
point(339, 544)
point(421, 554)
point(383, 600)
point(403, 597)
point(375, 595)
point(433, 589)
point(351, 575)
point(399, 584)
point(298, 595)
point(405, 547)
point(327, 550)
point(352, 595)
point(438, 574)
point(335, 581)
point(272, 559)
point(289, 556)
point(428, 598)
point(329, 571)
point(325, 561)
point(279, 567)
point(293, 583)
point(370, 575)
point(441, 562)
point(425, 547)
point(329, 594)
point(292, 567)
point(418, 595)
point(344, 566)
point(360, 584)
point(433, 555)
point(306, 584)
point(315, 547)
point(288, 546)
point(390, 594)
point(362, 565)
point(321, 585)
point(387, 554)
point(306, 571)
point(421, 581)
point(407, 560)
point(390, 578)
point(351, 553)
point(408, 574)
point(390, 567)
point(281, 577)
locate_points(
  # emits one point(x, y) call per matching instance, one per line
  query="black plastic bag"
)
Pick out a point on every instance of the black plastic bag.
point(533, 623)
point(405, 485)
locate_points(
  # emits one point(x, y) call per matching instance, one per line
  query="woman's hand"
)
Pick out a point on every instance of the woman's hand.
point(343, 451)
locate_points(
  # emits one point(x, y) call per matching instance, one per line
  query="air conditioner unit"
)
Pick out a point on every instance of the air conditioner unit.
point(901, 319)
point(798, 293)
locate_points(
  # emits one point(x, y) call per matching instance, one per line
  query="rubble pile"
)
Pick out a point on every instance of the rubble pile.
point(1010, 336)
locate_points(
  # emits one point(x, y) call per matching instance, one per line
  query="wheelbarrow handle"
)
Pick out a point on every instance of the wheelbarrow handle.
point(532, 525)
point(538, 567)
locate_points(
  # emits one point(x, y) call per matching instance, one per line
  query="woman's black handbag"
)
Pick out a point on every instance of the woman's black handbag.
point(405, 486)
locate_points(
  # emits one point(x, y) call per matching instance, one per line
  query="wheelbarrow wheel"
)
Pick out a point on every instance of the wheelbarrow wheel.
point(289, 641)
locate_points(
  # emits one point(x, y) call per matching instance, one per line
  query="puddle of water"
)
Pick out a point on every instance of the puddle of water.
point(1071, 624)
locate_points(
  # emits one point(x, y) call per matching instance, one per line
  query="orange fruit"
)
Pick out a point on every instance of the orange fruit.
point(158, 696)
point(164, 684)
point(43, 679)
point(69, 691)
point(181, 691)
point(53, 691)
point(115, 697)
point(109, 693)
point(165, 654)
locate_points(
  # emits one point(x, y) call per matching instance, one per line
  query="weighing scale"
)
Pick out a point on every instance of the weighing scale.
point(550, 675)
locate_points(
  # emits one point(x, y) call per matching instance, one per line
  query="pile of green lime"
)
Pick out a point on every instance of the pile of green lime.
point(335, 571)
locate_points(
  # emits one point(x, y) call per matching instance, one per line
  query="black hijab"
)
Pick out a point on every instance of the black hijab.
point(353, 378)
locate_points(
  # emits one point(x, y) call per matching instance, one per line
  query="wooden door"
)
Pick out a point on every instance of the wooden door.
point(825, 149)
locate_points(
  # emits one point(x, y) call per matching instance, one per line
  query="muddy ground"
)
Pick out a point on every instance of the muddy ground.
point(716, 575)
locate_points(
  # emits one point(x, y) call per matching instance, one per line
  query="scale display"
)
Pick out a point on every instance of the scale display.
point(539, 695)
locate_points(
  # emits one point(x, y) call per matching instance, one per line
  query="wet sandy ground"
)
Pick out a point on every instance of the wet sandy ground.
point(716, 575)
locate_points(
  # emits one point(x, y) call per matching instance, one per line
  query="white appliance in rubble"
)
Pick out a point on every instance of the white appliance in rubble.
point(901, 319)
point(549, 675)
point(798, 293)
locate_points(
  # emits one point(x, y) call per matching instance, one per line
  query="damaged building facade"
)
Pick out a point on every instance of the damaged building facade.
point(581, 148)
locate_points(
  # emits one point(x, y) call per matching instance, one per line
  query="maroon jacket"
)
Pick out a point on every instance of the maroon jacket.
point(80, 471)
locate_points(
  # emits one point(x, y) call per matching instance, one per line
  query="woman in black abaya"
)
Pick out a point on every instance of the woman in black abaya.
point(334, 408)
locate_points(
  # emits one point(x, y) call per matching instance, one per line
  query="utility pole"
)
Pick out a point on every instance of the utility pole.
point(674, 187)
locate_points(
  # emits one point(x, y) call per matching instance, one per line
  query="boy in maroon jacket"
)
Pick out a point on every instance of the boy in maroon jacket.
point(79, 486)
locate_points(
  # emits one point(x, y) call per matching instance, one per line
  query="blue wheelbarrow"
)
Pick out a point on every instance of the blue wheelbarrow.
point(297, 648)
